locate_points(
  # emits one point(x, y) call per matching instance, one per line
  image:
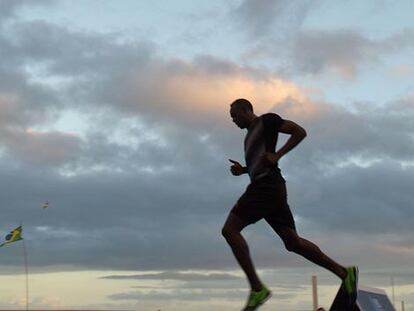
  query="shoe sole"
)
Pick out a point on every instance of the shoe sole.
point(356, 271)
point(354, 297)
point(260, 304)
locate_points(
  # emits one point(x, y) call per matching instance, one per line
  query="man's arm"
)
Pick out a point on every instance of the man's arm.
point(237, 169)
point(297, 134)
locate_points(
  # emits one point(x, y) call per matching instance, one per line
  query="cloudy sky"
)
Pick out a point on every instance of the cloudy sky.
point(116, 113)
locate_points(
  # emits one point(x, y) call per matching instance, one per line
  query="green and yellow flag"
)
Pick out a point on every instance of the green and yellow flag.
point(13, 236)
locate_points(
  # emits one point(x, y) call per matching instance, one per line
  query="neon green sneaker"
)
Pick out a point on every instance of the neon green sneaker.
point(351, 282)
point(256, 299)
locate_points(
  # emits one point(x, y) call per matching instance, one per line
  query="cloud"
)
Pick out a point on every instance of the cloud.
point(42, 147)
point(9, 8)
point(190, 295)
point(36, 302)
point(344, 51)
point(403, 71)
point(180, 295)
point(197, 93)
point(150, 172)
point(278, 37)
point(129, 81)
point(178, 276)
point(22, 142)
point(280, 17)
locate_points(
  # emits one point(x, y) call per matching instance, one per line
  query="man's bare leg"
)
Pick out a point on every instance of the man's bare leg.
point(310, 251)
point(231, 232)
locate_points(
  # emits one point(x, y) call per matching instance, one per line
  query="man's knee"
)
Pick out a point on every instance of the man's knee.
point(293, 245)
point(225, 232)
point(232, 227)
point(229, 233)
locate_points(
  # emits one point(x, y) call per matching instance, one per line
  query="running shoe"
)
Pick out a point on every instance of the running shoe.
point(256, 299)
point(351, 282)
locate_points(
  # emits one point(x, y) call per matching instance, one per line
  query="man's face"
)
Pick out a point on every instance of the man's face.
point(239, 117)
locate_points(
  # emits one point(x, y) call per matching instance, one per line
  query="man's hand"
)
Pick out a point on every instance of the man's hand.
point(237, 169)
point(271, 157)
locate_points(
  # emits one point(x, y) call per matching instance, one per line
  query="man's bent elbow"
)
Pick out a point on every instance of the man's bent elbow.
point(301, 132)
point(304, 133)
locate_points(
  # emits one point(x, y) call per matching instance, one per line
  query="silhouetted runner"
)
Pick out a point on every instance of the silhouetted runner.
point(265, 197)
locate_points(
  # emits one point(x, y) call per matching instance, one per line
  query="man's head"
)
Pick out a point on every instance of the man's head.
point(241, 111)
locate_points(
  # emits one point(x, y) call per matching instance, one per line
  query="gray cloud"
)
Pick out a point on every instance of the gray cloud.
point(21, 109)
point(343, 50)
point(123, 201)
point(179, 276)
point(276, 33)
point(37, 147)
point(181, 295)
point(8, 9)
point(279, 17)
point(190, 295)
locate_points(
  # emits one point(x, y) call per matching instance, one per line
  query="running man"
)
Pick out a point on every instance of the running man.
point(265, 197)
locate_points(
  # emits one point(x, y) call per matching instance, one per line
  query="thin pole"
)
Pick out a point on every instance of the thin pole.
point(27, 275)
point(402, 306)
point(393, 292)
point(315, 292)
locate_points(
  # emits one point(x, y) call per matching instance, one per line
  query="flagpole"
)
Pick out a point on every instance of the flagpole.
point(27, 275)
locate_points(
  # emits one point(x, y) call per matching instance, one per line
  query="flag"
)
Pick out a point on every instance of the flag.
point(13, 236)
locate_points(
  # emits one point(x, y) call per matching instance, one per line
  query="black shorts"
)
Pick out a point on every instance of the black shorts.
point(265, 198)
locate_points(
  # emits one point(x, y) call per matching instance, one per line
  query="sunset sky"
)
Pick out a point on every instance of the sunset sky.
point(116, 113)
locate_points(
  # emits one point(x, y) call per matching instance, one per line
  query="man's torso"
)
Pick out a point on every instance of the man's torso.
point(262, 137)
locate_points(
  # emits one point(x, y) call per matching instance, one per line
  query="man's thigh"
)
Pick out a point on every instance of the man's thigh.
point(236, 222)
